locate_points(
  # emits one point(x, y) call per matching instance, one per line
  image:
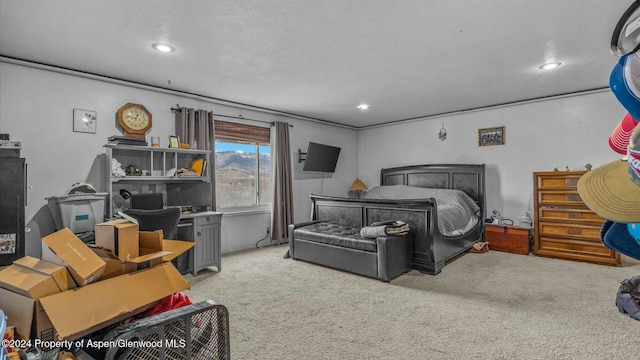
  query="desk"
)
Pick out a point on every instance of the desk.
point(203, 228)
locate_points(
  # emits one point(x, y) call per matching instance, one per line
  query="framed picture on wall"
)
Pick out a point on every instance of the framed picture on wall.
point(174, 142)
point(84, 121)
point(491, 136)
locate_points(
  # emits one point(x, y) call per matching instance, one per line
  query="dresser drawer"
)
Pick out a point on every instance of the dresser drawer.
point(569, 198)
point(592, 251)
point(559, 180)
point(207, 220)
point(570, 231)
point(555, 214)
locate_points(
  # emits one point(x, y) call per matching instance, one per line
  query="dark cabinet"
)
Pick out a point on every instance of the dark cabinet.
point(12, 203)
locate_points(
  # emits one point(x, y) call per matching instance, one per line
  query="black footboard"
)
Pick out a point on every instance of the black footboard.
point(430, 249)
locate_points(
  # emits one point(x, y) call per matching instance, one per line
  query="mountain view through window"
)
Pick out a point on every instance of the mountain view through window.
point(243, 175)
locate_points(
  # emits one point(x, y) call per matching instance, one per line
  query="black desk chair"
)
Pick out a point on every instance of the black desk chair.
point(158, 219)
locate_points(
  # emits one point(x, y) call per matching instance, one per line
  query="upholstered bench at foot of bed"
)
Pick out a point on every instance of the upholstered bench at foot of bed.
point(341, 247)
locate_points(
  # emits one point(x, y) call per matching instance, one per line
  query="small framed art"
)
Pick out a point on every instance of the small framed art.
point(174, 142)
point(491, 136)
point(84, 121)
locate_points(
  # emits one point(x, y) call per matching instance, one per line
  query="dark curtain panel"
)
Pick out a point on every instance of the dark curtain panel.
point(282, 202)
point(185, 124)
point(195, 127)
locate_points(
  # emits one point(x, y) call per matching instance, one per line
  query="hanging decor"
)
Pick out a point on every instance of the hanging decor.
point(442, 135)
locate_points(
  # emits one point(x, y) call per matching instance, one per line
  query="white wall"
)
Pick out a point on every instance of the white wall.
point(539, 136)
point(36, 107)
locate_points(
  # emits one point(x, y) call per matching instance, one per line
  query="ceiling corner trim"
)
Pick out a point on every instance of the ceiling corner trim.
point(143, 86)
point(488, 107)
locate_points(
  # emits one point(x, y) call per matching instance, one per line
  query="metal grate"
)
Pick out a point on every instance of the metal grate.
point(197, 331)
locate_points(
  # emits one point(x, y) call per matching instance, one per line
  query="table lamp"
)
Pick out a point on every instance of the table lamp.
point(357, 187)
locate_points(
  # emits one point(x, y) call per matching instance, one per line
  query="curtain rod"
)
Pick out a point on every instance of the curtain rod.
point(177, 108)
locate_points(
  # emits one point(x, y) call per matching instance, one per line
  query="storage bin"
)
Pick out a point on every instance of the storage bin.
point(78, 212)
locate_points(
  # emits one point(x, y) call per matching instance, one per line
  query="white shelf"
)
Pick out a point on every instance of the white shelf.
point(154, 162)
point(159, 178)
point(156, 149)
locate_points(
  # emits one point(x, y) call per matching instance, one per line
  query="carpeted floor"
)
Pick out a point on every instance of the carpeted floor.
point(482, 306)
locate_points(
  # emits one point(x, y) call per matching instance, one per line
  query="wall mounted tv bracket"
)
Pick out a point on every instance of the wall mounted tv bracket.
point(302, 156)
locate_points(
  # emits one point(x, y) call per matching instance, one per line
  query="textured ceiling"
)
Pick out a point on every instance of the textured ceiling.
point(319, 59)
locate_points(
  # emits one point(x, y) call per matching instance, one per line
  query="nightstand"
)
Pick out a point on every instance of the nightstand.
point(508, 238)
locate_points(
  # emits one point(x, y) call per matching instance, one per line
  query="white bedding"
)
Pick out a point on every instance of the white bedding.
point(457, 212)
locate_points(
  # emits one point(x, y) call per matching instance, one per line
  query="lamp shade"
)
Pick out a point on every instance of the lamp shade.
point(358, 185)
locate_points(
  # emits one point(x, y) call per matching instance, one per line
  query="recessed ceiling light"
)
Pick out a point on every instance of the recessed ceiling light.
point(363, 106)
point(549, 66)
point(163, 47)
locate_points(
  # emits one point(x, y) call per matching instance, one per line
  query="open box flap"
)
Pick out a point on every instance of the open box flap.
point(77, 312)
point(176, 247)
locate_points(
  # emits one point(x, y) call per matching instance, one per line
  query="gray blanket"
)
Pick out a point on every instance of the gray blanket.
point(384, 229)
point(457, 212)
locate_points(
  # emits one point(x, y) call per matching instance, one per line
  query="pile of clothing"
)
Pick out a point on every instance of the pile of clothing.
point(385, 228)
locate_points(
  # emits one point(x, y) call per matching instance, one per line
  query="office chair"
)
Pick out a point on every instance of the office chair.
point(158, 219)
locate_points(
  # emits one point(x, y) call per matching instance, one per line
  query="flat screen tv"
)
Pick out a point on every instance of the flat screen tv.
point(322, 158)
point(193, 194)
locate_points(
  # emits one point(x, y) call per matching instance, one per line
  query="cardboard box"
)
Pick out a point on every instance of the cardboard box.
point(35, 278)
point(22, 284)
point(153, 251)
point(65, 248)
point(19, 311)
point(81, 311)
point(120, 236)
point(152, 241)
point(144, 261)
point(113, 265)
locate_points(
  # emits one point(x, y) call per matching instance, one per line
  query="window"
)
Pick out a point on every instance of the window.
point(243, 165)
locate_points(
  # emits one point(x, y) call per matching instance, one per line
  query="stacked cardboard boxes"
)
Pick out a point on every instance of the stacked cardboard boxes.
point(22, 284)
point(76, 289)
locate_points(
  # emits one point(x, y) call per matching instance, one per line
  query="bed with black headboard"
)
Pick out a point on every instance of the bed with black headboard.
point(466, 177)
point(431, 248)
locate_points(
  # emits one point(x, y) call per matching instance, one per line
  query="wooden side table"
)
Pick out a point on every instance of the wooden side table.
point(508, 238)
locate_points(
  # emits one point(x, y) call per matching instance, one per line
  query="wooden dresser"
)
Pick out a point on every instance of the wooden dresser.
point(564, 226)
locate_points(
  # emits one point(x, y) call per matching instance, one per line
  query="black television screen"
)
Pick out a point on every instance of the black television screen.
point(321, 158)
point(193, 194)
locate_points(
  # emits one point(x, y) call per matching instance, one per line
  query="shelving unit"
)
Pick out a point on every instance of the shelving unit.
point(201, 227)
point(155, 164)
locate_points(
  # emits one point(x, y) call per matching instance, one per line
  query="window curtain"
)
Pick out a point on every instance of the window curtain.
point(196, 128)
point(282, 201)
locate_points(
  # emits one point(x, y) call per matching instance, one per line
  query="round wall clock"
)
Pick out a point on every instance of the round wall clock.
point(135, 120)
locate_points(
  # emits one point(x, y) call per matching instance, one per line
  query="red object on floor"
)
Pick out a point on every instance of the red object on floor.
point(172, 301)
